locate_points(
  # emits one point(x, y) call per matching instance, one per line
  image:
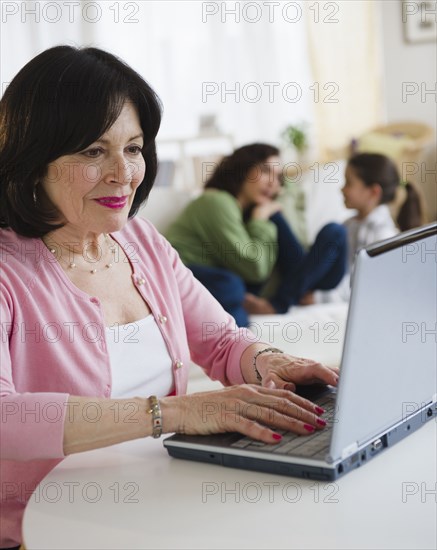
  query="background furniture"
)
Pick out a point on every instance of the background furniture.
point(404, 141)
point(189, 154)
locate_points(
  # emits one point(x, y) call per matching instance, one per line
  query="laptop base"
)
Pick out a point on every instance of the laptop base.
point(214, 455)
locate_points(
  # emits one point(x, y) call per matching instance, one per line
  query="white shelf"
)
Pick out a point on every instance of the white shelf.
point(188, 153)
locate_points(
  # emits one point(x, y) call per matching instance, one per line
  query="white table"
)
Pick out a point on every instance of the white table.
point(134, 495)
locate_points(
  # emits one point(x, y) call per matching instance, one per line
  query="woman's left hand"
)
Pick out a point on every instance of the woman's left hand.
point(282, 371)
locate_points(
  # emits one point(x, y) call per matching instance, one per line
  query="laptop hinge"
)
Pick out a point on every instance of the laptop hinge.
point(350, 450)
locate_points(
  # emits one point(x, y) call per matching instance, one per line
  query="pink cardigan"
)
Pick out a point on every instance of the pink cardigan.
point(53, 345)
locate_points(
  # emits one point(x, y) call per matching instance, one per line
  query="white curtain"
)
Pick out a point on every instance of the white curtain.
point(254, 65)
point(196, 59)
point(186, 53)
point(346, 59)
point(28, 28)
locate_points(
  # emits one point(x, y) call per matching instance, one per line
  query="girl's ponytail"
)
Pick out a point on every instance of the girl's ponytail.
point(412, 211)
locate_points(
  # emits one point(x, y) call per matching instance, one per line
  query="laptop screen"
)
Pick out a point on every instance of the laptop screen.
point(390, 343)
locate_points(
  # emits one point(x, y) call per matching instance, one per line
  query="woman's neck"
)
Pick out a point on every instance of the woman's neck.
point(90, 245)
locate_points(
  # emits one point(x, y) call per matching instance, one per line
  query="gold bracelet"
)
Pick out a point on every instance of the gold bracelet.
point(265, 350)
point(155, 411)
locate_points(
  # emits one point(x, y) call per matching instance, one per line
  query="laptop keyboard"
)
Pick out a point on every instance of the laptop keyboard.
point(308, 446)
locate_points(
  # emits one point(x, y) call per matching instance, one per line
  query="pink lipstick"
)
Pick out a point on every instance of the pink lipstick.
point(113, 202)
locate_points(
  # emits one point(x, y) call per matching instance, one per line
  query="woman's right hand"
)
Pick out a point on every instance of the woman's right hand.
point(248, 409)
point(264, 211)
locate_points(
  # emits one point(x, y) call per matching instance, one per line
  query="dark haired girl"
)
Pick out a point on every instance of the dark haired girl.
point(371, 182)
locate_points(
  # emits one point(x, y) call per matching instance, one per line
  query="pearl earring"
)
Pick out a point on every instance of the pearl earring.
point(35, 198)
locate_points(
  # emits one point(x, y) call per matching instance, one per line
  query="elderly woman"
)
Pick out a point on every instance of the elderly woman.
point(99, 317)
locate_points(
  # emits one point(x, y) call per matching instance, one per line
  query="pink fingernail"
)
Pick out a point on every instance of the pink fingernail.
point(278, 437)
point(309, 428)
point(319, 410)
point(321, 422)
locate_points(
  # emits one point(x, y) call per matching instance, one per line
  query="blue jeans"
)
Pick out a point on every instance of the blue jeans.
point(322, 268)
point(226, 287)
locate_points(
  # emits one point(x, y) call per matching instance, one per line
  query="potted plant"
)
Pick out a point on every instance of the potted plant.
point(296, 143)
point(296, 138)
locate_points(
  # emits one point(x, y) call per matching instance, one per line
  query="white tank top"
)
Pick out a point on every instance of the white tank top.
point(140, 362)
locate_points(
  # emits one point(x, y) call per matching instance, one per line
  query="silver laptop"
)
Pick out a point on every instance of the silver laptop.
point(388, 376)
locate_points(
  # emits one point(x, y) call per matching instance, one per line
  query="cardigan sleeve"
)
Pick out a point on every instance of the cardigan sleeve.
point(31, 424)
point(216, 343)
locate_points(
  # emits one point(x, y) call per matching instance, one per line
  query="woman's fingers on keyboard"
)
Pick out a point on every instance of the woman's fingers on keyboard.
point(283, 415)
point(295, 399)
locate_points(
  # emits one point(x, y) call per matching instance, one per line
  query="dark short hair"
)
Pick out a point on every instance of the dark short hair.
point(59, 103)
point(232, 171)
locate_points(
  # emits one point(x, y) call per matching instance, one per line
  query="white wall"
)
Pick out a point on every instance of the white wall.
point(411, 66)
point(407, 63)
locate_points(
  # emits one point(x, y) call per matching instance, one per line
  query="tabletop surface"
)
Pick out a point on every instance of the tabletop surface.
point(134, 496)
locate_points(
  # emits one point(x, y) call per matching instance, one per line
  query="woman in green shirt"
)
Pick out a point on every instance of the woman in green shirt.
point(233, 237)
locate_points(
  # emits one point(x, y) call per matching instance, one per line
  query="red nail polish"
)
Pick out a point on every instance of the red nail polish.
point(319, 410)
point(321, 422)
point(309, 428)
point(278, 437)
